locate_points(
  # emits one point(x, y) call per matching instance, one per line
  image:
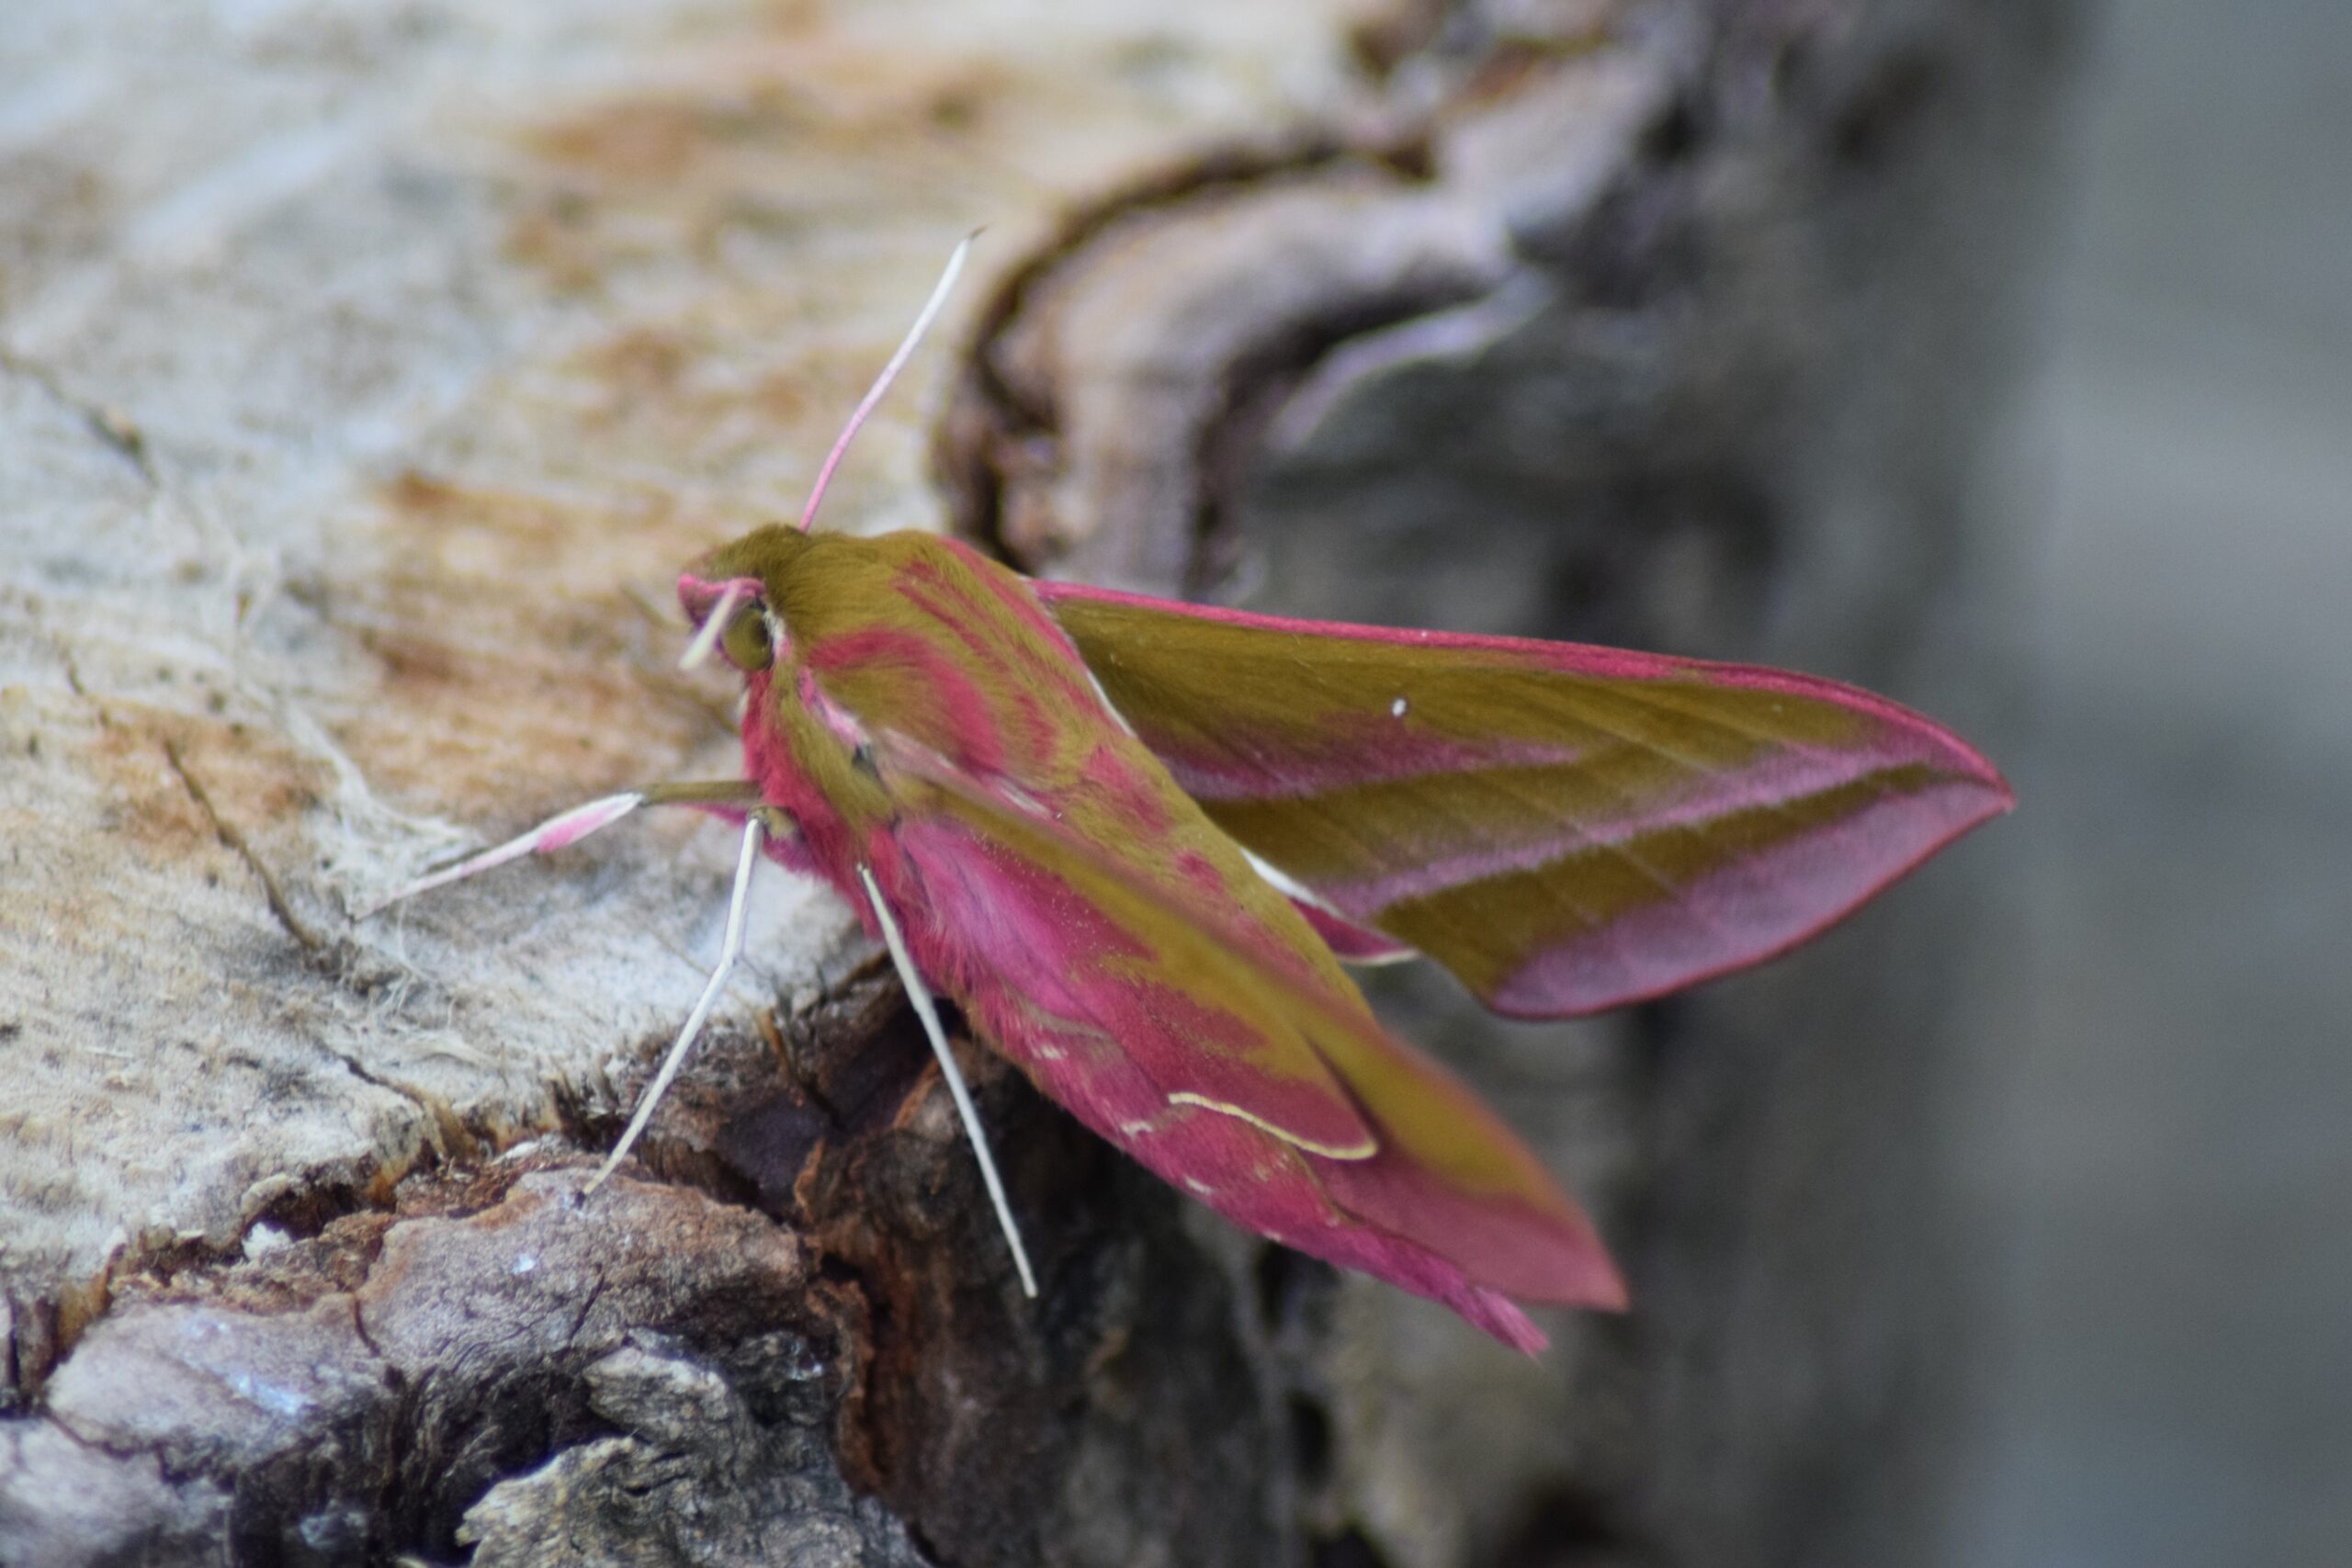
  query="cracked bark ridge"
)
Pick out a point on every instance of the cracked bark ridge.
point(1143, 1387)
point(651, 1374)
point(500, 1363)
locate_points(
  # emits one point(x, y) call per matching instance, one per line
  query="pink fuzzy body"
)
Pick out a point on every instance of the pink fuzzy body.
point(1564, 828)
point(924, 719)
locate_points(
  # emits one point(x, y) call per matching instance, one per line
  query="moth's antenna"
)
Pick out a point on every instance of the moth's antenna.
point(730, 948)
point(566, 829)
point(889, 373)
point(920, 993)
point(559, 831)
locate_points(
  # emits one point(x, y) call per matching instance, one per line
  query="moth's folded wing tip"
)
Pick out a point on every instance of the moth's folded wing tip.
point(1498, 1316)
point(2000, 797)
point(1966, 762)
point(1605, 1289)
point(1569, 1266)
point(1577, 978)
point(1592, 1282)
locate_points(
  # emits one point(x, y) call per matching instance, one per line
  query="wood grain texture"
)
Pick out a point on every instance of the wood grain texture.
point(364, 367)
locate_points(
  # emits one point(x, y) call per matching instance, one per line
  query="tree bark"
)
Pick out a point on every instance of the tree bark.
point(363, 368)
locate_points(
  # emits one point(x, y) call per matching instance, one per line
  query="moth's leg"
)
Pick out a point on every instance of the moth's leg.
point(925, 1009)
point(730, 948)
point(568, 828)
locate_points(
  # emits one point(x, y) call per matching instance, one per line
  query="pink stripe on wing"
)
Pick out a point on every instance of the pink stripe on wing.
point(1747, 910)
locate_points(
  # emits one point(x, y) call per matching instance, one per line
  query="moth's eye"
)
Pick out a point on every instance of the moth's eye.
point(746, 641)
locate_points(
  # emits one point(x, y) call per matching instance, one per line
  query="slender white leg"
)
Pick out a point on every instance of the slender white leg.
point(730, 948)
point(920, 993)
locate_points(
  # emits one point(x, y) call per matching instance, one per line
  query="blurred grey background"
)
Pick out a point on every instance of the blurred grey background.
point(2158, 1147)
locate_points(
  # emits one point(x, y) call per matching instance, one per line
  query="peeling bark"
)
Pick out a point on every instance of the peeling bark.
point(363, 368)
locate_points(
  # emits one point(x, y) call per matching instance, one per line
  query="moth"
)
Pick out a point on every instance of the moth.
point(1137, 842)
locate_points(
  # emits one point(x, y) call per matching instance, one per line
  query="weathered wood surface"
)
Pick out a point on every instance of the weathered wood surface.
point(363, 368)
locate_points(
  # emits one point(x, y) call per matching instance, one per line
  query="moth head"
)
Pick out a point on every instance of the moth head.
point(731, 593)
point(731, 596)
point(732, 614)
